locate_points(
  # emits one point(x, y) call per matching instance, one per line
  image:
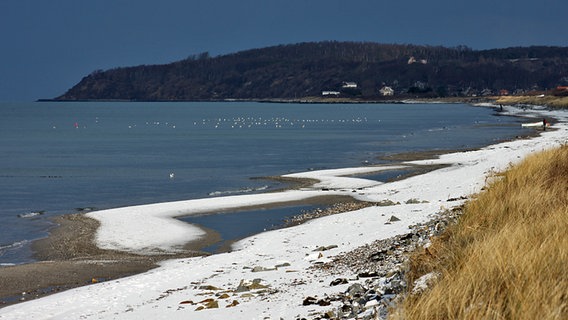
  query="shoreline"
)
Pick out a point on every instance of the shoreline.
point(103, 265)
point(69, 257)
point(71, 245)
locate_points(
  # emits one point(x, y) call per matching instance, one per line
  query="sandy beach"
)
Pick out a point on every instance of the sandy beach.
point(264, 276)
point(70, 258)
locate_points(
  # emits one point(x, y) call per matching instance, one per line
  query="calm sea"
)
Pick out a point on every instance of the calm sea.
point(59, 158)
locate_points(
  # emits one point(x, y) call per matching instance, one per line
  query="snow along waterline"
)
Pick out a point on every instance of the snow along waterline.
point(153, 229)
point(282, 258)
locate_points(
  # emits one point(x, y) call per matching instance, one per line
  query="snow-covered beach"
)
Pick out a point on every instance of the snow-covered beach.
point(267, 276)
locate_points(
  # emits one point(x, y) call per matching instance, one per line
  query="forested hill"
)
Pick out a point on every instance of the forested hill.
point(347, 69)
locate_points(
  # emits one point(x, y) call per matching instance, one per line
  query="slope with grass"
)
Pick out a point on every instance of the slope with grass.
point(507, 256)
point(550, 101)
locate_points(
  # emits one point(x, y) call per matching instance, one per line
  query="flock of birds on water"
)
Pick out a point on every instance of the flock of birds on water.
point(247, 122)
point(250, 122)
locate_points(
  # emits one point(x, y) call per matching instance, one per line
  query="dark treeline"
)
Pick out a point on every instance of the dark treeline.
point(308, 69)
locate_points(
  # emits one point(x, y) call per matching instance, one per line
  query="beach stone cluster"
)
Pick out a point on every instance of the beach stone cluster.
point(322, 212)
point(377, 272)
point(216, 297)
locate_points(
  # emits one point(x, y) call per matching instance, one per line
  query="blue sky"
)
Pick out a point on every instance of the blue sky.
point(48, 46)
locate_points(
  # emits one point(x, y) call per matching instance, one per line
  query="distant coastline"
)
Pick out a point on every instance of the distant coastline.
point(335, 71)
point(306, 100)
point(549, 101)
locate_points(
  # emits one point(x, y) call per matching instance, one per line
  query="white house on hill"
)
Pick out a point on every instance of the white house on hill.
point(386, 91)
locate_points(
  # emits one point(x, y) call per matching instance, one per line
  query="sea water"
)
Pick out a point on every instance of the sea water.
point(60, 158)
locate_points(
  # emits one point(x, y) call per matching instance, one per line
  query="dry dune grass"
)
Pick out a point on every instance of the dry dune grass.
point(550, 101)
point(507, 257)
